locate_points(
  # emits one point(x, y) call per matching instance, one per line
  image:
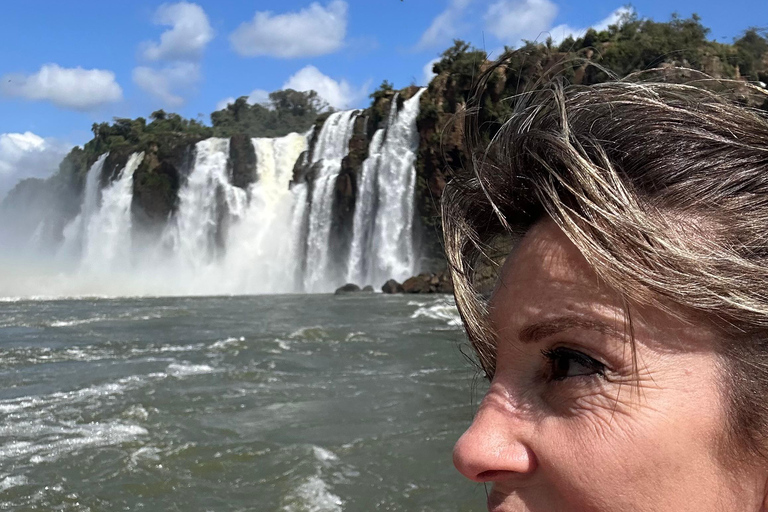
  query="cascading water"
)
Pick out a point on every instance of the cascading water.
point(382, 242)
point(75, 231)
point(331, 147)
point(227, 240)
point(203, 201)
point(222, 239)
point(107, 233)
point(261, 254)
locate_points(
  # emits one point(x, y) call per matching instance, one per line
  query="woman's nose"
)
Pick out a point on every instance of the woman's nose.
point(493, 449)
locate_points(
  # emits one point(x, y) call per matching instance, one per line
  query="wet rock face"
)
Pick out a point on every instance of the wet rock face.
point(156, 186)
point(300, 169)
point(242, 161)
point(345, 190)
point(392, 286)
point(429, 283)
point(353, 288)
point(157, 180)
point(347, 288)
point(113, 165)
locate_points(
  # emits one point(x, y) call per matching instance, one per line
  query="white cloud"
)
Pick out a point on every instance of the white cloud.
point(428, 74)
point(70, 88)
point(188, 36)
point(26, 155)
point(221, 105)
point(511, 21)
point(445, 26)
point(181, 47)
point(560, 32)
point(258, 96)
point(168, 82)
point(339, 94)
point(315, 30)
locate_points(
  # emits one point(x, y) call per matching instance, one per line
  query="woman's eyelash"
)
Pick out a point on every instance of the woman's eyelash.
point(564, 363)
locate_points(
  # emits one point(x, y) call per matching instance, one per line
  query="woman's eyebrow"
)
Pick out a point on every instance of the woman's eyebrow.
point(541, 330)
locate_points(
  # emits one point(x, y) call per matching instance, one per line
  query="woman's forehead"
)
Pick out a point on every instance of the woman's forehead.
point(546, 279)
point(546, 255)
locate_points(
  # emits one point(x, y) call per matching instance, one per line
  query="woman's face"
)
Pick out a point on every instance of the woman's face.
point(569, 425)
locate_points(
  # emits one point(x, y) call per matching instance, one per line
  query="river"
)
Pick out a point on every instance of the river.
point(277, 403)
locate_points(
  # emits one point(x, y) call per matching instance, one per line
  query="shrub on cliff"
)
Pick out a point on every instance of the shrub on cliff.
point(136, 134)
point(287, 111)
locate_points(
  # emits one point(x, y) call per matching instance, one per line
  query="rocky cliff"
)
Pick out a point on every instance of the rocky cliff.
point(168, 140)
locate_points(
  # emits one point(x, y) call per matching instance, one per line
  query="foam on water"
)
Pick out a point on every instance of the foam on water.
point(313, 495)
point(58, 440)
point(12, 481)
point(70, 323)
point(185, 369)
point(228, 343)
point(441, 309)
point(149, 453)
point(324, 455)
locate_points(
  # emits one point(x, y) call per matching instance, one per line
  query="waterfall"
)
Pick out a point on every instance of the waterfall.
point(204, 201)
point(74, 232)
point(107, 233)
point(261, 255)
point(226, 240)
point(273, 237)
point(298, 232)
point(382, 241)
point(331, 147)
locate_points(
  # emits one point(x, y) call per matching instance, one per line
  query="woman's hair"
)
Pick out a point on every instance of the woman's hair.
point(661, 185)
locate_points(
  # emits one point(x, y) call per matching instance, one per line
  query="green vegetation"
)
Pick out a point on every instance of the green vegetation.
point(137, 135)
point(631, 45)
point(287, 111)
point(752, 55)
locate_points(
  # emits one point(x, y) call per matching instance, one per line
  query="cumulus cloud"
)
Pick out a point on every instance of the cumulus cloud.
point(315, 30)
point(428, 74)
point(257, 96)
point(445, 26)
point(181, 48)
point(339, 94)
point(560, 32)
point(69, 88)
point(511, 21)
point(188, 36)
point(27, 155)
point(167, 83)
point(221, 105)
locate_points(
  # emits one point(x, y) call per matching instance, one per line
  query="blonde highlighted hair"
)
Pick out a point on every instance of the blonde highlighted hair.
point(661, 185)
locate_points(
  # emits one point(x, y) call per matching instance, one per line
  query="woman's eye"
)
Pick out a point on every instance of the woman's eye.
point(563, 363)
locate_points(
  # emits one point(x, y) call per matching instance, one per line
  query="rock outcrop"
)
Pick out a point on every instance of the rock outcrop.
point(439, 282)
point(353, 288)
point(242, 161)
point(392, 286)
point(347, 288)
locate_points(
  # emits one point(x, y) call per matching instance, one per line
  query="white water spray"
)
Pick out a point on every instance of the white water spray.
point(332, 146)
point(75, 231)
point(382, 242)
point(107, 241)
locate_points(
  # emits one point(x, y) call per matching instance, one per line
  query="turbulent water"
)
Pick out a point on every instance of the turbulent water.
point(275, 403)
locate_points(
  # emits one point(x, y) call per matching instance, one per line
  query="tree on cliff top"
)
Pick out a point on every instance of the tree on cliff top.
point(752, 54)
point(287, 111)
point(137, 133)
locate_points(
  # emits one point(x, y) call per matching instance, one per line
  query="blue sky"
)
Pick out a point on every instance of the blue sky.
point(66, 65)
